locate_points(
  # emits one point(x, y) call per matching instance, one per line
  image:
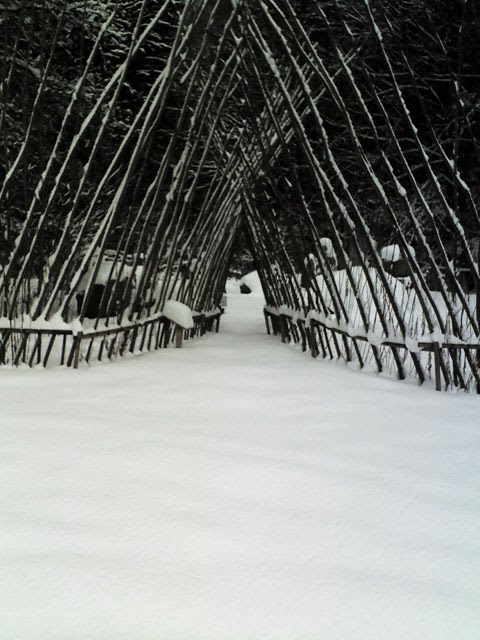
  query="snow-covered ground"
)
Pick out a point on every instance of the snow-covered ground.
point(236, 489)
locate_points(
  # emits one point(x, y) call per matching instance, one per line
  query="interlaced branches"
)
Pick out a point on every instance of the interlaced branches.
point(139, 140)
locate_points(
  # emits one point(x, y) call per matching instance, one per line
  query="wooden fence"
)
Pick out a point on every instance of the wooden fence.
point(34, 347)
point(443, 364)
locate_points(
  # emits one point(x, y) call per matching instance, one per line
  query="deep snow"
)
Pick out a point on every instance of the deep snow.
point(236, 489)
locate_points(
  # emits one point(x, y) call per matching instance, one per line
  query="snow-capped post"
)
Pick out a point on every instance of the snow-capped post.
point(181, 316)
point(77, 341)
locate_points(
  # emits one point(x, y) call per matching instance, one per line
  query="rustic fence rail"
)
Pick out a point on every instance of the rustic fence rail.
point(335, 343)
point(45, 346)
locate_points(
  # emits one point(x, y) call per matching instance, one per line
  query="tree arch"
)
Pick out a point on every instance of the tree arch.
point(140, 141)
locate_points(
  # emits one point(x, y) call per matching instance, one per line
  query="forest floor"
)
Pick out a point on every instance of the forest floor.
point(236, 489)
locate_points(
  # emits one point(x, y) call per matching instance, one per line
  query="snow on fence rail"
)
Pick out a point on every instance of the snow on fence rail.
point(384, 322)
point(43, 346)
point(441, 361)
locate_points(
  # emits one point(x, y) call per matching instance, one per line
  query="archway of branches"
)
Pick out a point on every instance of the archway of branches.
point(259, 117)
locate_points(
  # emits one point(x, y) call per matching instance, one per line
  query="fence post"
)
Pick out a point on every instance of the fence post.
point(178, 336)
point(436, 355)
point(76, 354)
point(265, 315)
point(283, 327)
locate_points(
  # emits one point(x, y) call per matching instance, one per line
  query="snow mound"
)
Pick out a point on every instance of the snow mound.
point(327, 246)
point(179, 313)
point(392, 252)
point(252, 281)
point(108, 271)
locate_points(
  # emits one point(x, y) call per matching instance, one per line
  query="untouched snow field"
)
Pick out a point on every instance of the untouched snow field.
point(236, 489)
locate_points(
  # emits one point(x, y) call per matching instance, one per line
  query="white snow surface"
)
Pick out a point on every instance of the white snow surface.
point(179, 313)
point(236, 489)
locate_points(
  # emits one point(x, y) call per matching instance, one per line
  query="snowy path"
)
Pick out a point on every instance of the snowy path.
point(236, 489)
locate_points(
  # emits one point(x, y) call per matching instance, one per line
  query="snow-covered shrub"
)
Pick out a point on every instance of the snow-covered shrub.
point(252, 282)
point(393, 261)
